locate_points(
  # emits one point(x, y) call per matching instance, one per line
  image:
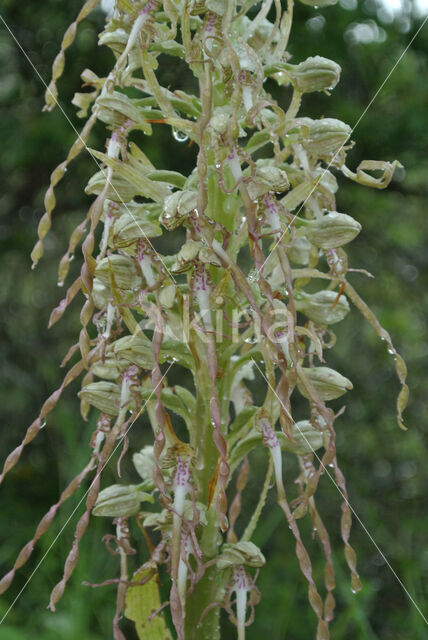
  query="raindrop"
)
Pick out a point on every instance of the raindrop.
point(43, 424)
point(254, 275)
point(71, 258)
point(60, 283)
point(354, 591)
point(178, 135)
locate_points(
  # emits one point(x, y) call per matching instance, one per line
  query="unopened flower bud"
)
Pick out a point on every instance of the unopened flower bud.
point(319, 308)
point(105, 396)
point(331, 231)
point(240, 553)
point(121, 269)
point(119, 501)
point(326, 136)
point(316, 74)
point(329, 384)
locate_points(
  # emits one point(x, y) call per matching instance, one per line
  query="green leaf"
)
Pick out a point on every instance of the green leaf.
point(170, 47)
point(243, 418)
point(141, 601)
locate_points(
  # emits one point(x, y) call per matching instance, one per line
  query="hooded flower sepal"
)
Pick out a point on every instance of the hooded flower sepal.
point(319, 3)
point(120, 501)
point(267, 178)
point(315, 74)
point(326, 137)
point(177, 207)
point(143, 462)
point(178, 451)
point(240, 553)
point(162, 520)
point(119, 268)
point(103, 395)
point(323, 307)
point(329, 384)
point(329, 231)
point(191, 253)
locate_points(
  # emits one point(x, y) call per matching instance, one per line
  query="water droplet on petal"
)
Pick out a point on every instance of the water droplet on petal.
point(60, 283)
point(254, 275)
point(178, 135)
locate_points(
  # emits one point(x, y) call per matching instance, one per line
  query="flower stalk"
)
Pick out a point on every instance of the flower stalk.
point(254, 276)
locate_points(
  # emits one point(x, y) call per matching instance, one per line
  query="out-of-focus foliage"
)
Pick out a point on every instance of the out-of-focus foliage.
point(386, 469)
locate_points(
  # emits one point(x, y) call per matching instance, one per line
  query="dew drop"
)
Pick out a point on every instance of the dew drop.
point(354, 591)
point(178, 135)
point(254, 275)
point(60, 283)
point(391, 352)
point(71, 258)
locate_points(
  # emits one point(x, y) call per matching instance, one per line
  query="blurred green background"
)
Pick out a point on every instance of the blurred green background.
point(386, 469)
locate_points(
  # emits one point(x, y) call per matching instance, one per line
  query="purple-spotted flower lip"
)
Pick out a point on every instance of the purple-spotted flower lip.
point(151, 4)
point(130, 373)
point(182, 472)
point(201, 279)
point(269, 436)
